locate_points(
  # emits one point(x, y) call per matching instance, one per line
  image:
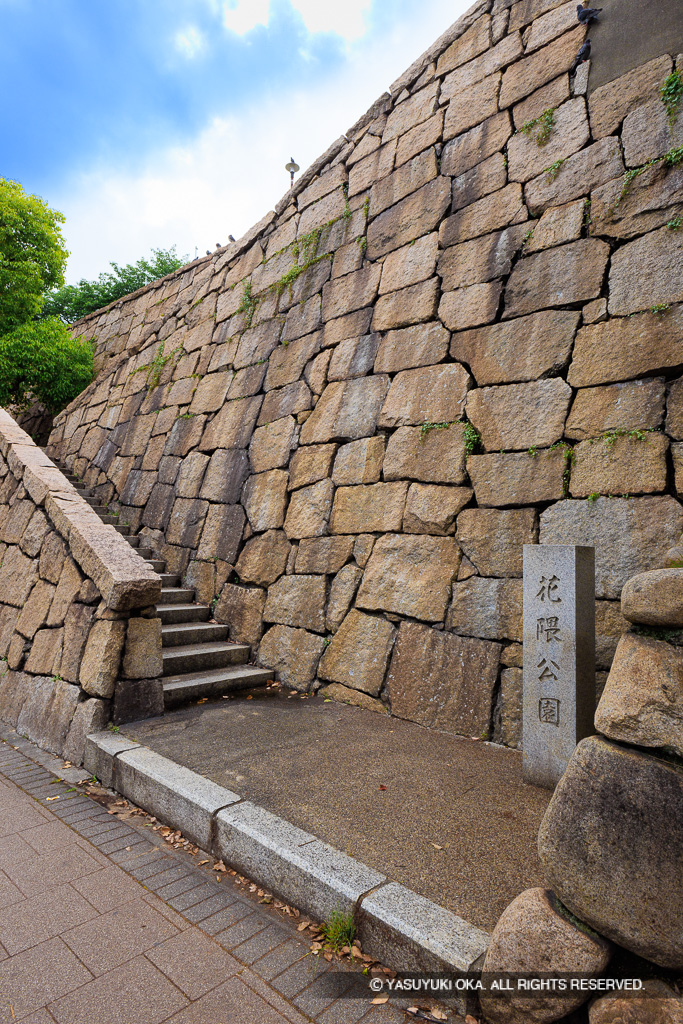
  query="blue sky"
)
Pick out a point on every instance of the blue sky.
point(150, 123)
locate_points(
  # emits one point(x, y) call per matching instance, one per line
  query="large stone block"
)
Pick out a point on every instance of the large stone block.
point(345, 294)
point(342, 592)
point(411, 218)
point(480, 259)
point(487, 608)
point(470, 307)
point(493, 212)
point(347, 410)
point(45, 654)
point(471, 106)
point(493, 541)
point(359, 652)
point(577, 176)
point(470, 148)
point(359, 462)
point(431, 508)
point(536, 937)
point(443, 681)
point(609, 104)
point(557, 277)
point(265, 498)
point(488, 176)
point(413, 305)
point(233, 426)
point(310, 464)
point(77, 625)
point(292, 653)
point(33, 615)
point(559, 224)
point(470, 44)
point(353, 358)
point(186, 522)
point(491, 61)
point(242, 609)
point(610, 846)
point(429, 394)
point(511, 706)
point(569, 134)
point(89, 716)
point(622, 465)
point(655, 1003)
point(287, 401)
point(263, 559)
point(419, 138)
point(655, 598)
point(309, 510)
point(407, 178)
point(297, 601)
point(271, 445)
point(542, 66)
point(410, 575)
point(324, 555)
point(414, 262)
point(142, 653)
point(646, 273)
point(257, 343)
point(420, 345)
point(225, 476)
point(624, 212)
point(632, 405)
point(366, 509)
point(287, 362)
point(18, 574)
point(222, 533)
point(629, 535)
point(525, 349)
point(47, 713)
point(102, 657)
point(518, 416)
point(627, 347)
point(184, 436)
point(433, 456)
point(610, 626)
point(642, 703)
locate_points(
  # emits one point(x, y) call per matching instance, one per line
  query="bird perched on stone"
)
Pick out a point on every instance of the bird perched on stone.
point(587, 14)
point(583, 55)
point(218, 245)
point(231, 238)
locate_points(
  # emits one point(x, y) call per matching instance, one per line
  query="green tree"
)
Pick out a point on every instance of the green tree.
point(75, 301)
point(32, 254)
point(42, 360)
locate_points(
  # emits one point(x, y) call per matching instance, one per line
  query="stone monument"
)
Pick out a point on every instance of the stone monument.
point(559, 657)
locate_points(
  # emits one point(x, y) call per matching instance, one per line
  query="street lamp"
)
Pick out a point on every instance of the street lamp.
point(292, 167)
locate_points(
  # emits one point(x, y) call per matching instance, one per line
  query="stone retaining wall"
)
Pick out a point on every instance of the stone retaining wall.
point(451, 338)
point(78, 624)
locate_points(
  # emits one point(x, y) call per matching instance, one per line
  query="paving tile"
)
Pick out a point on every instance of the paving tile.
point(113, 938)
point(232, 1003)
point(8, 891)
point(273, 998)
point(18, 816)
point(152, 866)
point(107, 888)
point(280, 959)
point(299, 976)
point(31, 979)
point(316, 998)
point(34, 873)
point(225, 918)
point(112, 845)
point(47, 835)
point(193, 962)
point(40, 1017)
point(200, 911)
point(171, 874)
point(137, 993)
point(192, 897)
point(177, 920)
point(345, 1011)
point(182, 885)
point(238, 933)
point(134, 854)
point(264, 942)
point(42, 917)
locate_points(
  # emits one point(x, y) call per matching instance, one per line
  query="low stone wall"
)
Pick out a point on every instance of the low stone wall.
point(459, 333)
point(78, 625)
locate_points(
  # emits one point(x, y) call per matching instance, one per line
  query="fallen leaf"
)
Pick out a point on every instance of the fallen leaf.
point(413, 1010)
point(203, 700)
point(436, 846)
point(219, 866)
point(379, 1000)
point(382, 787)
point(328, 957)
point(438, 1014)
point(219, 878)
point(250, 697)
point(203, 862)
point(356, 950)
point(302, 926)
point(469, 1019)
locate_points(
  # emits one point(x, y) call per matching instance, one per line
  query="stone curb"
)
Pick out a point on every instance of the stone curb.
point(402, 929)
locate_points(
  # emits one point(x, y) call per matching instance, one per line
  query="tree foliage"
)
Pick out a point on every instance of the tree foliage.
point(42, 360)
point(75, 301)
point(32, 254)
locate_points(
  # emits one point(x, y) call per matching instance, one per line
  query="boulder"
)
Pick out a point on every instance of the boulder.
point(642, 702)
point(293, 653)
point(297, 601)
point(655, 1003)
point(359, 652)
point(536, 936)
point(654, 598)
point(610, 846)
point(264, 558)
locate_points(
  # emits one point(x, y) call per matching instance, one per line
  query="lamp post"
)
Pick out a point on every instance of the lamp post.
point(292, 167)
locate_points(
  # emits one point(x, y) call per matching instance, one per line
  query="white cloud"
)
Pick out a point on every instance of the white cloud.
point(189, 42)
point(347, 20)
point(223, 180)
point(241, 16)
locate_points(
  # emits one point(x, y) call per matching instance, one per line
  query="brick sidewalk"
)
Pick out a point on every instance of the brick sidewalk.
point(98, 925)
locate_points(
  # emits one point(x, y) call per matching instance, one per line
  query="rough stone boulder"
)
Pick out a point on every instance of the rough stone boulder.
point(536, 936)
point(656, 1003)
point(611, 847)
point(654, 598)
point(642, 702)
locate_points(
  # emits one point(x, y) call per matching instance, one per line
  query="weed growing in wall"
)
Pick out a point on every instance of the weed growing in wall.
point(671, 95)
point(569, 460)
point(339, 931)
point(541, 126)
point(674, 224)
point(247, 304)
point(426, 428)
point(660, 308)
point(154, 369)
point(610, 437)
point(472, 439)
point(554, 169)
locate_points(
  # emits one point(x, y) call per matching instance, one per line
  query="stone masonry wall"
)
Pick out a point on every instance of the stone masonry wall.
point(77, 605)
point(453, 337)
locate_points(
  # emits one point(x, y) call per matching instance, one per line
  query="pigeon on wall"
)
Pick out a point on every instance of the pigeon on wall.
point(587, 14)
point(583, 55)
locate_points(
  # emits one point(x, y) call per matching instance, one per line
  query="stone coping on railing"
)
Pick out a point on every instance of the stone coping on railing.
point(123, 579)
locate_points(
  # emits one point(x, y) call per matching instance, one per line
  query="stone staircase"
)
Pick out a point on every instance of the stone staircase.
point(199, 661)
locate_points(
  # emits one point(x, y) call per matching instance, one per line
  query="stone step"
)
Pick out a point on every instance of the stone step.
point(158, 564)
point(172, 613)
point(199, 657)
point(102, 510)
point(176, 595)
point(177, 634)
point(169, 579)
point(107, 519)
point(134, 541)
point(124, 530)
point(195, 685)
